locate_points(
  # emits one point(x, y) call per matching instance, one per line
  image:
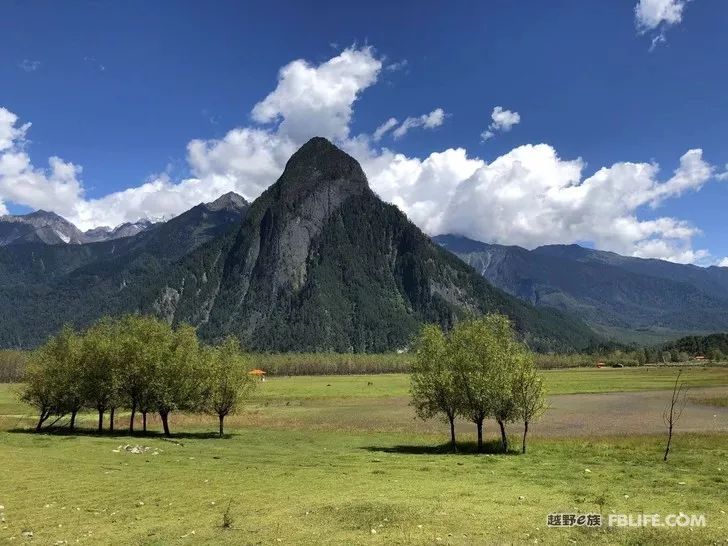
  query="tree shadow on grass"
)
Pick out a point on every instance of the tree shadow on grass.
point(490, 447)
point(120, 433)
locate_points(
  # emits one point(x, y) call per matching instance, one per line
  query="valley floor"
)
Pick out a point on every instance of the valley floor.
point(340, 460)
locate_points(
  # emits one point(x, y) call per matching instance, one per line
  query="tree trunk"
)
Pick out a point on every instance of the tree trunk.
point(144, 421)
point(222, 417)
point(43, 416)
point(164, 415)
point(479, 425)
point(525, 432)
point(504, 437)
point(131, 419)
point(101, 420)
point(669, 440)
point(111, 419)
point(453, 443)
point(73, 420)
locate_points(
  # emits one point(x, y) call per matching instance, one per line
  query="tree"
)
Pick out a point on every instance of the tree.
point(674, 409)
point(102, 368)
point(177, 384)
point(475, 354)
point(485, 355)
point(53, 379)
point(434, 386)
point(39, 389)
point(228, 383)
point(528, 395)
point(143, 341)
point(510, 355)
point(66, 350)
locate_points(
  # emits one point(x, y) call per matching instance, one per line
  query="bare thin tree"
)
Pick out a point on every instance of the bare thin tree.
point(674, 409)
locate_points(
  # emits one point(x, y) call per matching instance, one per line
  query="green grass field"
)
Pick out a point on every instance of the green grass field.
point(282, 479)
point(569, 381)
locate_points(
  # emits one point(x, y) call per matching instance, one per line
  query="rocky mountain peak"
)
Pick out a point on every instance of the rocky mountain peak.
point(228, 201)
point(319, 161)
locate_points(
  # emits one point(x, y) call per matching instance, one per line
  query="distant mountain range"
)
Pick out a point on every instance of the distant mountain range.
point(624, 298)
point(317, 263)
point(49, 228)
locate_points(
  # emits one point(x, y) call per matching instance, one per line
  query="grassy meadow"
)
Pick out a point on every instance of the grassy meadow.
point(339, 460)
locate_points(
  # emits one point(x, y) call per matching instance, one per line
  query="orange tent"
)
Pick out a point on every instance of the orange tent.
point(257, 372)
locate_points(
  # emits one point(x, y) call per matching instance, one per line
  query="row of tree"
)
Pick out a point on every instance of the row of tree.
point(476, 371)
point(139, 364)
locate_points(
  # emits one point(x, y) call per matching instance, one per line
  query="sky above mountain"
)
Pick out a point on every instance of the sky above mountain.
point(516, 122)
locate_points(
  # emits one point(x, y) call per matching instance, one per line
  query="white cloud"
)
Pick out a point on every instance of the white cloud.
point(319, 99)
point(656, 16)
point(399, 65)
point(723, 175)
point(528, 196)
point(503, 120)
point(723, 262)
point(384, 128)
point(29, 65)
point(428, 121)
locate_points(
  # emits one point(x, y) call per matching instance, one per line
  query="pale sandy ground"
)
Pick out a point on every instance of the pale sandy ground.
point(629, 413)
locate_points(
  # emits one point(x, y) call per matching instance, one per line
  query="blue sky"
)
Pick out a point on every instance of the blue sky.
point(120, 89)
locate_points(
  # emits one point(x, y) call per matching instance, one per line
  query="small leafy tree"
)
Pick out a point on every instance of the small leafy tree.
point(40, 390)
point(53, 382)
point(102, 368)
point(177, 384)
point(434, 386)
point(508, 353)
point(474, 354)
point(66, 351)
point(143, 341)
point(528, 395)
point(228, 383)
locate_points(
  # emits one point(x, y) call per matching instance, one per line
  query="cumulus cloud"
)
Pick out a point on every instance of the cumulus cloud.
point(528, 196)
point(319, 99)
point(654, 17)
point(428, 121)
point(503, 120)
point(723, 262)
